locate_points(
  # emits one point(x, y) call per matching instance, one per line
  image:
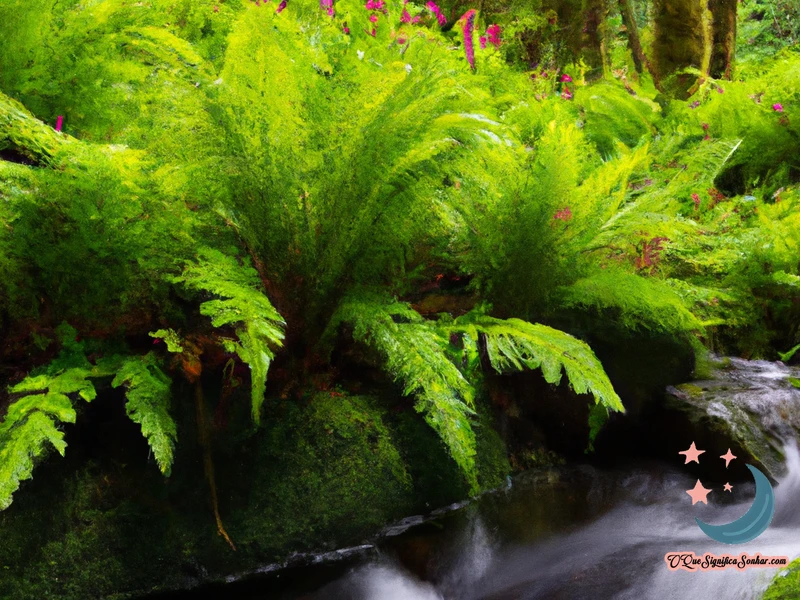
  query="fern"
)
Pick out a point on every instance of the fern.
point(637, 302)
point(31, 421)
point(415, 355)
point(516, 345)
point(24, 440)
point(147, 390)
point(259, 327)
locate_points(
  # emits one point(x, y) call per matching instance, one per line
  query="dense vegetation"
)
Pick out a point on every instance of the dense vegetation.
point(293, 198)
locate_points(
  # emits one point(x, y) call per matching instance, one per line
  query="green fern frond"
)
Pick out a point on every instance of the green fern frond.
point(259, 327)
point(637, 302)
point(23, 440)
point(516, 345)
point(147, 390)
point(414, 353)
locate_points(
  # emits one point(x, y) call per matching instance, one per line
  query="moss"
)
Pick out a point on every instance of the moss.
point(322, 473)
point(336, 458)
point(786, 584)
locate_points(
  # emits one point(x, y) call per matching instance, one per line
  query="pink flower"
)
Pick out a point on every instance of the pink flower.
point(345, 29)
point(565, 214)
point(694, 104)
point(432, 7)
point(370, 5)
point(696, 200)
point(469, 24)
point(373, 18)
point(281, 6)
point(416, 20)
point(373, 32)
point(705, 126)
point(493, 33)
point(401, 40)
point(566, 78)
point(483, 42)
point(441, 18)
point(720, 90)
point(777, 107)
point(405, 17)
point(566, 95)
point(59, 122)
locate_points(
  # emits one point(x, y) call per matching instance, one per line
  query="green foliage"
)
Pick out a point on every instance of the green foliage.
point(786, 583)
point(258, 324)
point(416, 356)
point(31, 420)
point(147, 390)
point(23, 438)
point(515, 345)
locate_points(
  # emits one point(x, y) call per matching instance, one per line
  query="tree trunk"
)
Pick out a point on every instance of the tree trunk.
point(634, 42)
point(682, 40)
point(723, 46)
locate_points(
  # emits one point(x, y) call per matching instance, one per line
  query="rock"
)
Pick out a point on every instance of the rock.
point(750, 405)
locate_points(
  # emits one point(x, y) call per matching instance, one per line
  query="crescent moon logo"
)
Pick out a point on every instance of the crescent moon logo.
point(752, 523)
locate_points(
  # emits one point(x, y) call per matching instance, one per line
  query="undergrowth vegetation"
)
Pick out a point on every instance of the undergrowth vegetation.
point(247, 183)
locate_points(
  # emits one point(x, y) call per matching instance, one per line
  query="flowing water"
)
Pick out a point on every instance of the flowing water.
point(584, 532)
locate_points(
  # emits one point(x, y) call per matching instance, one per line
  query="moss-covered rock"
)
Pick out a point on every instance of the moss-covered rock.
point(786, 584)
point(328, 471)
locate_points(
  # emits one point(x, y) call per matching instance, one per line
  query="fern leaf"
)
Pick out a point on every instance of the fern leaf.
point(415, 355)
point(516, 345)
point(147, 389)
point(22, 443)
point(259, 326)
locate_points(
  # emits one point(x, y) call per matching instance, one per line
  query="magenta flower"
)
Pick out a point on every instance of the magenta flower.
point(373, 18)
point(565, 214)
point(441, 18)
point(401, 40)
point(694, 104)
point(432, 7)
point(281, 6)
point(373, 32)
point(416, 20)
point(493, 33)
point(469, 25)
point(405, 17)
point(483, 42)
point(59, 122)
point(566, 78)
point(777, 107)
point(566, 94)
point(370, 5)
point(345, 29)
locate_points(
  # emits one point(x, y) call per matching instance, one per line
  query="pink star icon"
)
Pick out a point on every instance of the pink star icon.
point(698, 493)
point(692, 454)
point(728, 487)
point(728, 457)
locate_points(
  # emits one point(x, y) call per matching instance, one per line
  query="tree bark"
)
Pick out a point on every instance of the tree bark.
point(682, 40)
point(640, 61)
point(723, 44)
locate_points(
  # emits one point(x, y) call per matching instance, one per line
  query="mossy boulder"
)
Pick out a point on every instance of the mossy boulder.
point(786, 584)
point(324, 472)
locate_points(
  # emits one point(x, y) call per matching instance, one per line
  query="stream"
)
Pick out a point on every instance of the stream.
point(578, 532)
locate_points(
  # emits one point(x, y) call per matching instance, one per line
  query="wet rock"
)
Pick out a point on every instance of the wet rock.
point(752, 406)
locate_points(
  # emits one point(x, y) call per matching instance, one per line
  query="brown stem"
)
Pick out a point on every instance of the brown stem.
point(208, 463)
